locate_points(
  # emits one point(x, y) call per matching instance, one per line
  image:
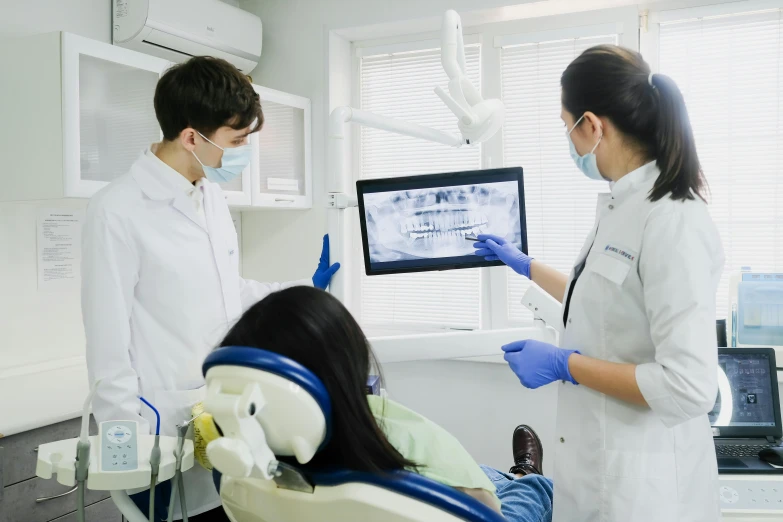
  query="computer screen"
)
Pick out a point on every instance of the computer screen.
point(745, 391)
point(422, 223)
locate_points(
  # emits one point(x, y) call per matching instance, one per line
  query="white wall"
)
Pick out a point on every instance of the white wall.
point(35, 324)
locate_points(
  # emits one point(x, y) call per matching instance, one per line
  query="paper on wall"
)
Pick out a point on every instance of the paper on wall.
point(59, 248)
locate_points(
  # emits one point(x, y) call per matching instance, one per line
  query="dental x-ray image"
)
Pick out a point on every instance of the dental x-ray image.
point(422, 223)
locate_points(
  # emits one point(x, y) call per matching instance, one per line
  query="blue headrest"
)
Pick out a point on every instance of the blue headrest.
point(275, 363)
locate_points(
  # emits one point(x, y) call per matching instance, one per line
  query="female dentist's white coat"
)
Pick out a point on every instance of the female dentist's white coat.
point(646, 296)
point(160, 288)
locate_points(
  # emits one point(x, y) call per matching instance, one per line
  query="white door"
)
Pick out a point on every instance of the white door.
point(108, 111)
point(282, 172)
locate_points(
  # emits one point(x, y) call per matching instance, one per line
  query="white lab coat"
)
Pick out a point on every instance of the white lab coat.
point(646, 297)
point(160, 288)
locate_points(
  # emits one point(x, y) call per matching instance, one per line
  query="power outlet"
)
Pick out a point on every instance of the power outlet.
point(751, 495)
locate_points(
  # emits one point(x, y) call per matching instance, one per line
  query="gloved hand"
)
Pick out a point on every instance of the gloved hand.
point(537, 363)
point(324, 272)
point(492, 248)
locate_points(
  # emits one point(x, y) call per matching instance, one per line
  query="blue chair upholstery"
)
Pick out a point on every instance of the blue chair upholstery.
point(415, 486)
point(405, 483)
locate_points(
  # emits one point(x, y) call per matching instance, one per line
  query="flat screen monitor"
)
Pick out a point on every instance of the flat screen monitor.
point(424, 223)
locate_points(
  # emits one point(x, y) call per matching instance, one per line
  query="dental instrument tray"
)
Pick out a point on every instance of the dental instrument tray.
point(59, 459)
point(429, 222)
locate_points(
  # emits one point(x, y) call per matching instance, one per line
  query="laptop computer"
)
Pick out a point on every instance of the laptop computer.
point(746, 415)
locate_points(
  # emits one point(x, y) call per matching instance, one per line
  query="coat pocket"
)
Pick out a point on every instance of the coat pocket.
point(175, 407)
point(612, 269)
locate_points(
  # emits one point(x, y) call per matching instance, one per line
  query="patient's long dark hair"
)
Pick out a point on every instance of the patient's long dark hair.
point(317, 331)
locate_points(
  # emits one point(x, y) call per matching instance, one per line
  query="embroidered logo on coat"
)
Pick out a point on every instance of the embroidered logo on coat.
point(619, 252)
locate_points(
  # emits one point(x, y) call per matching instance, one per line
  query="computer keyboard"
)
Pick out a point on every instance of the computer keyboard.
point(740, 450)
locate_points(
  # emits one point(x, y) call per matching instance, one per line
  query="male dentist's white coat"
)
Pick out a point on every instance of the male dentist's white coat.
point(160, 288)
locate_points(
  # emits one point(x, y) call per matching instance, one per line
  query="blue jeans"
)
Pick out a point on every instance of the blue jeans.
point(526, 499)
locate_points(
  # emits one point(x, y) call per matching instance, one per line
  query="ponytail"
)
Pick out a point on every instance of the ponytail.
point(649, 109)
point(675, 147)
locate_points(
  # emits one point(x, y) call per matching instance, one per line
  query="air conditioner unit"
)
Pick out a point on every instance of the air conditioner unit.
point(178, 29)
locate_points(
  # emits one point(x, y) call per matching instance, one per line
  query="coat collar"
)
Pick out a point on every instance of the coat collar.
point(160, 182)
point(642, 178)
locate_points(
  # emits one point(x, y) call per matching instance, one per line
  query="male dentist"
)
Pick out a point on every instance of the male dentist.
point(160, 270)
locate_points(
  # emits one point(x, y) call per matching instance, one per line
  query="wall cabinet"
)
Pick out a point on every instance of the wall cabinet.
point(281, 168)
point(77, 113)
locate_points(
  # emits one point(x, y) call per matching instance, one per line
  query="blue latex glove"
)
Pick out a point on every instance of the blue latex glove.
point(324, 272)
point(492, 248)
point(537, 363)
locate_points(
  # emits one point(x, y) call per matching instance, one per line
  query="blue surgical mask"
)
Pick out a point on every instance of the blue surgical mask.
point(234, 161)
point(587, 163)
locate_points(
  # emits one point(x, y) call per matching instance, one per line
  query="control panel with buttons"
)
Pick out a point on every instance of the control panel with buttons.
point(758, 494)
point(119, 445)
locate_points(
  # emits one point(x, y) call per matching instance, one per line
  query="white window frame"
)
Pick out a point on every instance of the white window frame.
point(492, 37)
point(650, 35)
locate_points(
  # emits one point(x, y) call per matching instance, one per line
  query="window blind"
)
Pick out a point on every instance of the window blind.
point(401, 85)
point(560, 201)
point(730, 70)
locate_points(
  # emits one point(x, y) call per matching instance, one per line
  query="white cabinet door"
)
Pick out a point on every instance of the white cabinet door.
point(238, 191)
point(281, 167)
point(108, 111)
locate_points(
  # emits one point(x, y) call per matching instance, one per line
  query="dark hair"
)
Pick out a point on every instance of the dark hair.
point(314, 329)
point(615, 83)
point(206, 94)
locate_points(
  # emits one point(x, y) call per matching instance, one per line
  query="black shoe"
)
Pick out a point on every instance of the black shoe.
point(528, 451)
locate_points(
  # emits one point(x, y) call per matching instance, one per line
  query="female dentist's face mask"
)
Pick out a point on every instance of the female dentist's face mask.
point(587, 163)
point(233, 162)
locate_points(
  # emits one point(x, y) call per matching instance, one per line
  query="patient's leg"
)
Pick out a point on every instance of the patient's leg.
point(525, 495)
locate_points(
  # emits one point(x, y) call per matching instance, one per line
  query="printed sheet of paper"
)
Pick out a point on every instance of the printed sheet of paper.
point(59, 248)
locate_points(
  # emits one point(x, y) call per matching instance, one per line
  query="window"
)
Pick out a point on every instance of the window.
point(401, 85)
point(730, 70)
point(560, 201)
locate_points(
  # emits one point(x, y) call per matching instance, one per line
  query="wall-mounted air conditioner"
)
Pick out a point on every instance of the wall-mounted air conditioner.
point(178, 29)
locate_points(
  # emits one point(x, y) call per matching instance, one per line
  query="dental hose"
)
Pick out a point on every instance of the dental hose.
point(83, 455)
point(80, 515)
point(82, 465)
point(154, 461)
point(181, 432)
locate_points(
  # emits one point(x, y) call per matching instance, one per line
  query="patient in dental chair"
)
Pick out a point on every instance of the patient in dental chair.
point(373, 434)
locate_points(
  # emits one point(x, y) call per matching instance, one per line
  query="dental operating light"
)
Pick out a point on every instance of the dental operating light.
point(477, 121)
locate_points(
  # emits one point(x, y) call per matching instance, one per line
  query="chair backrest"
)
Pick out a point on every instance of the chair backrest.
point(267, 406)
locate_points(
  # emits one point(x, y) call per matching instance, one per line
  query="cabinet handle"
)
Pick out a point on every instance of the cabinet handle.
point(284, 200)
point(39, 500)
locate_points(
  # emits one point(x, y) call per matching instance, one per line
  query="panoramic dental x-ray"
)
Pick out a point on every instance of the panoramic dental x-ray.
point(431, 227)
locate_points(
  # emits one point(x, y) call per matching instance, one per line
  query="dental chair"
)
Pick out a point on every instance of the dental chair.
point(268, 406)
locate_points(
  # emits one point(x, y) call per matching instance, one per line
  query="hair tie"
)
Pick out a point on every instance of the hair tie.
point(650, 80)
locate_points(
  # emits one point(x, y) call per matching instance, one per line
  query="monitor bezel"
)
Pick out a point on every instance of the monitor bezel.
point(451, 179)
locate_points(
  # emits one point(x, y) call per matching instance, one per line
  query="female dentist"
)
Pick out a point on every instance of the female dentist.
point(638, 358)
